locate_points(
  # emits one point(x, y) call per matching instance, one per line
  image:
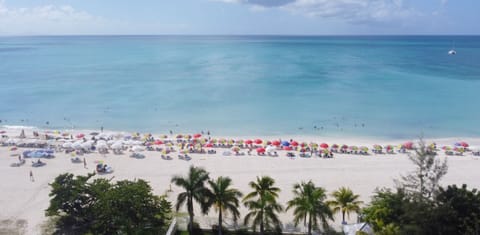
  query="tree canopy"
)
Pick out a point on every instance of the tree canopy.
point(102, 207)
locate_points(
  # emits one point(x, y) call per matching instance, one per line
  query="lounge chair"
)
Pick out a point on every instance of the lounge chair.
point(76, 160)
point(137, 155)
point(104, 169)
point(38, 164)
point(18, 164)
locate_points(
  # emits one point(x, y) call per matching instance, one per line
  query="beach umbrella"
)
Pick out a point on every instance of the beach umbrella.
point(270, 148)
point(240, 142)
point(137, 148)
point(285, 143)
point(304, 144)
point(117, 145)
point(353, 148)
point(248, 142)
point(364, 149)
point(196, 136)
point(377, 147)
point(209, 145)
point(276, 143)
point(158, 142)
point(462, 144)
point(294, 143)
point(408, 145)
point(67, 145)
point(235, 149)
point(179, 136)
point(258, 141)
point(344, 147)
point(94, 133)
point(260, 150)
point(287, 148)
point(324, 145)
point(102, 145)
point(79, 136)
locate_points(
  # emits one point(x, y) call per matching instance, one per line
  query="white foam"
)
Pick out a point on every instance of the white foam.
point(14, 127)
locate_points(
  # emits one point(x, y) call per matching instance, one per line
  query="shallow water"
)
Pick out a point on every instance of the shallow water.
point(392, 87)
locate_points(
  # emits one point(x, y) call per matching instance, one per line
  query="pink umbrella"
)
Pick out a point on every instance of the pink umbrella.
point(158, 142)
point(261, 150)
point(248, 142)
point(287, 148)
point(196, 136)
point(294, 143)
point(179, 136)
point(408, 145)
point(79, 136)
point(464, 144)
point(344, 146)
point(323, 145)
point(209, 145)
point(258, 141)
point(276, 143)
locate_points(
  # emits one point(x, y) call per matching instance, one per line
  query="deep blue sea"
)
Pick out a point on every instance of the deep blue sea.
point(383, 86)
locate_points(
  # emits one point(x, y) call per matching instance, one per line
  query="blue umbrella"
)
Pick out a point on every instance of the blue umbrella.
point(285, 143)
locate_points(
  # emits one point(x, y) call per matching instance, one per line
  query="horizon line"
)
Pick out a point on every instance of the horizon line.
point(231, 35)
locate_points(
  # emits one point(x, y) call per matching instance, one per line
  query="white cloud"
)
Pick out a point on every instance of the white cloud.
point(352, 11)
point(47, 19)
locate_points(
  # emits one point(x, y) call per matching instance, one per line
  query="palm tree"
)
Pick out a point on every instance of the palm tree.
point(262, 204)
point(194, 186)
point(309, 206)
point(224, 199)
point(345, 201)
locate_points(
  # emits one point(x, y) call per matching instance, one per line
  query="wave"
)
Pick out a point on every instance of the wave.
point(14, 127)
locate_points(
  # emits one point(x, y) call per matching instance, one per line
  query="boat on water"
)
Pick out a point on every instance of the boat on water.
point(452, 52)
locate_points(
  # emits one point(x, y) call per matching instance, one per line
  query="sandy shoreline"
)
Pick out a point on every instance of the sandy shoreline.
point(22, 199)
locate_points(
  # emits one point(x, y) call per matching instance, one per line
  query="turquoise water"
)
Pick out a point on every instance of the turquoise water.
point(391, 87)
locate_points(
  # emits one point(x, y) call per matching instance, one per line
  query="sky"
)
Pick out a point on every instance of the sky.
point(239, 17)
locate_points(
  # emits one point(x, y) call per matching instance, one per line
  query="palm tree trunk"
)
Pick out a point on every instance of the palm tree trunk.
point(190, 213)
point(343, 218)
point(310, 224)
point(220, 222)
point(261, 223)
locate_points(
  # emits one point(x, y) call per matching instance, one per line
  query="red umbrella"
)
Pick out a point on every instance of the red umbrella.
point(288, 148)
point(209, 145)
point(248, 142)
point(260, 150)
point(294, 143)
point(258, 141)
point(464, 144)
point(323, 145)
point(80, 136)
point(276, 143)
point(196, 136)
point(408, 145)
point(158, 142)
point(179, 136)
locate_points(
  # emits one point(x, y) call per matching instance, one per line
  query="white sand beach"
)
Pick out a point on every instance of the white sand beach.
point(22, 199)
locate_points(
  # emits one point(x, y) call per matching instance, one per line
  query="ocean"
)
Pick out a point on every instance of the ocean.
point(382, 86)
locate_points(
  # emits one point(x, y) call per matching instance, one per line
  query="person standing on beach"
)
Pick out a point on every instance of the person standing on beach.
point(101, 129)
point(85, 163)
point(31, 176)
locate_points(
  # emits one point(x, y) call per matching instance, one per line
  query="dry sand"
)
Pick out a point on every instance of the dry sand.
point(22, 199)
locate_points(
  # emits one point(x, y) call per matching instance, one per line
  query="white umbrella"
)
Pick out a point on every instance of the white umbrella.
point(67, 145)
point(102, 144)
point(270, 149)
point(77, 145)
point(117, 145)
point(137, 148)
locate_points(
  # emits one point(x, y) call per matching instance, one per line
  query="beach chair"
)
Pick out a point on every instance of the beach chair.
point(18, 164)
